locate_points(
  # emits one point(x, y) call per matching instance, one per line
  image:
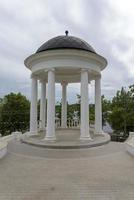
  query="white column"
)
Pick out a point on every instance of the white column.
point(33, 106)
point(98, 106)
point(64, 105)
point(84, 132)
point(50, 132)
point(43, 105)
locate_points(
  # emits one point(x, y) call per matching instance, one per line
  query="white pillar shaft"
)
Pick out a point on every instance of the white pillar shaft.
point(33, 107)
point(43, 106)
point(64, 106)
point(50, 134)
point(98, 106)
point(84, 106)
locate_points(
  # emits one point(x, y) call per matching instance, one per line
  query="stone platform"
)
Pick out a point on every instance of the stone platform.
point(66, 139)
point(100, 173)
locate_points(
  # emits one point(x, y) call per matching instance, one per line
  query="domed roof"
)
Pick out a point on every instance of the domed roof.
point(65, 42)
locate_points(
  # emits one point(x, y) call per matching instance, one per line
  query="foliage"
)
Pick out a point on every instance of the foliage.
point(14, 113)
point(119, 112)
point(58, 110)
point(91, 113)
point(106, 109)
point(121, 117)
point(71, 108)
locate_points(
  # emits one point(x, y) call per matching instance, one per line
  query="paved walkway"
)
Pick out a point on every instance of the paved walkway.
point(100, 173)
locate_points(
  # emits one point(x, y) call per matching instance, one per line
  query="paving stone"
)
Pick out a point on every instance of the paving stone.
point(100, 173)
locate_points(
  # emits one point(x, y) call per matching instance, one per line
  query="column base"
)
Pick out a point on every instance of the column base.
point(50, 138)
point(31, 133)
point(85, 138)
point(42, 129)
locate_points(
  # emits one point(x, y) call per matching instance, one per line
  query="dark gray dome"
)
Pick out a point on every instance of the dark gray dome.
point(65, 42)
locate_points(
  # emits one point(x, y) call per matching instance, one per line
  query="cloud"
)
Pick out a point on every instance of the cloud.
point(107, 25)
point(120, 33)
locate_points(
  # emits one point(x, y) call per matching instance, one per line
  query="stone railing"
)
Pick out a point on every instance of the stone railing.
point(130, 143)
point(71, 123)
point(5, 140)
point(3, 149)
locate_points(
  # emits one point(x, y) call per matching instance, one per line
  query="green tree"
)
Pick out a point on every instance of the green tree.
point(58, 110)
point(14, 113)
point(106, 109)
point(92, 113)
point(121, 117)
point(71, 108)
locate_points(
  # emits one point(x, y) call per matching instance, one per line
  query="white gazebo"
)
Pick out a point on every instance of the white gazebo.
point(64, 59)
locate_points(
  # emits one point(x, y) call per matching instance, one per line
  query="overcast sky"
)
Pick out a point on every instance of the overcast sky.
point(107, 25)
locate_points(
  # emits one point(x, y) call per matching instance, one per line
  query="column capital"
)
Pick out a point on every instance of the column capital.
point(33, 76)
point(50, 69)
point(43, 81)
point(64, 83)
point(84, 70)
point(97, 77)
